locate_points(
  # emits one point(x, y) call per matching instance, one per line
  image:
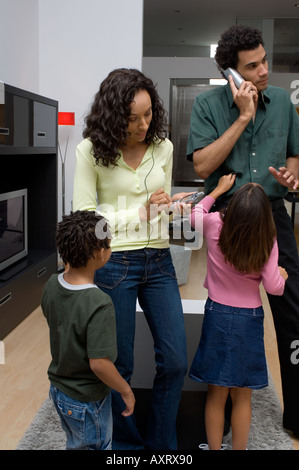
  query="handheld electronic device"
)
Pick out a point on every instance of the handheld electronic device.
point(192, 199)
point(238, 79)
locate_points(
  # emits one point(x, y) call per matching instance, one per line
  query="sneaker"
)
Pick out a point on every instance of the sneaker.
point(206, 447)
point(203, 447)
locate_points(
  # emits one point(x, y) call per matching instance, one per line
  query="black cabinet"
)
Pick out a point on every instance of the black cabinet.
point(44, 130)
point(27, 120)
point(28, 159)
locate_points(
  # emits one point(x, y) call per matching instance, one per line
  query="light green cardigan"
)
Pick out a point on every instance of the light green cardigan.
point(118, 193)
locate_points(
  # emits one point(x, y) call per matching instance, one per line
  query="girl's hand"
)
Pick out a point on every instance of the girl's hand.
point(178, 207)
point(224, 184)
point(283, 273)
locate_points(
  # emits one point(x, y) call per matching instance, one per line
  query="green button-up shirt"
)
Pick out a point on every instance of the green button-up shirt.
point(267, 141)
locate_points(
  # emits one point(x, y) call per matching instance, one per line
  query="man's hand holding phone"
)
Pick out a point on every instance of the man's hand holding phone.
point(246, 97)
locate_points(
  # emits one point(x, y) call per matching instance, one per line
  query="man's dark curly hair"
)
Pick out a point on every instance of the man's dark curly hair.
point(107, 121)
point(235, 39)
point(79, 234)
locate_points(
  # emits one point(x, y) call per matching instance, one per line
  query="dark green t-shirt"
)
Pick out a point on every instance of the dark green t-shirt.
point(82, 326)
point(268, 141)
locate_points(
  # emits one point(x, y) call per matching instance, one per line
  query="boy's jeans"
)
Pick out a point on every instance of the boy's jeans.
point(88, 425)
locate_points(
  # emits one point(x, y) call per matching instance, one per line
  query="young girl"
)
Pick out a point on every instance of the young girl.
point(242, 253)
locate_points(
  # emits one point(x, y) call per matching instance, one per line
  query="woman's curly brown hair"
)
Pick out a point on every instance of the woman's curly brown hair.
point(107, 122)
point(235, 39)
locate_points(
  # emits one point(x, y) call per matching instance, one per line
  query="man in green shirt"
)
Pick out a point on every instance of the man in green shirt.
point(253, 131)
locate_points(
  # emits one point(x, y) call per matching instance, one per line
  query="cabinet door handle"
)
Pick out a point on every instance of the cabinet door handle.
point(41, 272)
point(4, 131)
point(41, 134)
point(5, 299)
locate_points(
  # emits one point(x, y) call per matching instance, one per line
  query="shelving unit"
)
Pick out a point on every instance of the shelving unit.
point(28, 159)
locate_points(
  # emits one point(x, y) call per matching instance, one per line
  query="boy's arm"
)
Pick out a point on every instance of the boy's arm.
point(106, 371)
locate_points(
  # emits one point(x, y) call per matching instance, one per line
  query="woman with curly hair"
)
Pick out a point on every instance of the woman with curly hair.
point(124, 164)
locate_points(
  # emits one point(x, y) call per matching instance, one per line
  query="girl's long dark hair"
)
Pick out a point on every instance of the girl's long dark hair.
point(107, 122)
point(248, 232)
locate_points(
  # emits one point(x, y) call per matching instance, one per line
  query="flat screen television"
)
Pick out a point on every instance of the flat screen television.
point(13, 227)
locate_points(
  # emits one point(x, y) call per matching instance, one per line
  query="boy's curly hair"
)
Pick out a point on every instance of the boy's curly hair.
point(107, 121)
point(79, 234)
point(235, 39)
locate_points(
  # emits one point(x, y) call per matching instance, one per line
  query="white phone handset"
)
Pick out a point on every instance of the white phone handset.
point(238, 79)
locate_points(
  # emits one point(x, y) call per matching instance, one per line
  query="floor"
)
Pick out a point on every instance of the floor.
point(23, 376)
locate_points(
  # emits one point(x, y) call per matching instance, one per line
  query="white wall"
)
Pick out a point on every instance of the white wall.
point(63, 49)
point(80, 43)
point(19, 57)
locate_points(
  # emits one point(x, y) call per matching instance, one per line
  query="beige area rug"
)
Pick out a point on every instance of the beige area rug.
point(266, 432)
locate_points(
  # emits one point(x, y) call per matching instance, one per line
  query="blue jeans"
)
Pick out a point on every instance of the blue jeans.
point(149, 275)
point(88, 425)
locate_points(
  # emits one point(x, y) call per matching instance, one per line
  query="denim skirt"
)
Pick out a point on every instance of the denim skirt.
point(231, 350)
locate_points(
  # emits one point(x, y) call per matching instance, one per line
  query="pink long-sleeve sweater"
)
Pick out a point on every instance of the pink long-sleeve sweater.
point(226, 285)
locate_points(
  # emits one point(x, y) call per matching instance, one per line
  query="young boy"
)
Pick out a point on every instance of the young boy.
point(83, 335)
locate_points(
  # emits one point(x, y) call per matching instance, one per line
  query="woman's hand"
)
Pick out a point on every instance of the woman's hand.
point(178, 196)
point(161, 201)
point(158, 202)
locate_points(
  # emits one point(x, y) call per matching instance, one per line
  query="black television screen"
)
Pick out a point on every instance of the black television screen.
point(13, 227)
